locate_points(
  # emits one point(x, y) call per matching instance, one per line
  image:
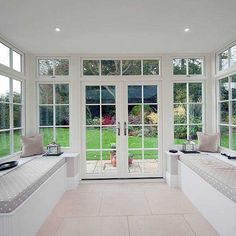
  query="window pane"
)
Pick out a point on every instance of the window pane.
point(62, 93)
point(134, 94)
point(17, 141)
point(91, 67)
point(4, 55)
point(180, 114)
point(224, 112)
point(17, 91)
point(16, 61)
point(4, 88)
point(93, 165)
point(47, 135)
point(150, 93)
point(46, 115)
point(135, 137)
point(180, 66)
point(92, 94)
point(224, 89)
point(195, 92)
point(46, 67)
point(61, 66)
point(233, 55)
point(195, 66)
point(195, 113)
point(108, 137)
point(131, 67)
point(108, 114)
point(151, 67)
point(234, 138)
point(4, 116)
point(62, 115)
point(108, 94)
point(180, 134)
point(150, 114)
point(63, 136)
point(224, 136)
point(180, 92)
point(4, 143)
point(193, 129)
point(233, 113)
point(93, 115)
point(110, 67)
point(17, 116)
point(233, 86)
point(150, 137)
point(224, 60)
point(135, 114)
point(92, 138)
point(45, 94)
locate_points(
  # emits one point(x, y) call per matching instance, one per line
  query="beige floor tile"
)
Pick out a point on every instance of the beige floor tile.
point(127, 203)
point(99, 187)
point(169, 201)
point(160, 225)
point(200, 225)
point(75, 204)
point(94, 226)
point(50, 227)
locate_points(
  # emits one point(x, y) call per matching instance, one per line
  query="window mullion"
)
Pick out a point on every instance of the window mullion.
point(187, 91)
point(54, 112)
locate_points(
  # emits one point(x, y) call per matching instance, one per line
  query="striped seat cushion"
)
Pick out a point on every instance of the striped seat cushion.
point(17, 185)
point(217, 173)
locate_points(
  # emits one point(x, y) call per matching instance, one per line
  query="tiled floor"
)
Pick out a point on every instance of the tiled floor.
point(128, 208)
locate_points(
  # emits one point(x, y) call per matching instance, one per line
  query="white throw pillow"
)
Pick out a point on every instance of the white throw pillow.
point(31, 145)
point(208, 142)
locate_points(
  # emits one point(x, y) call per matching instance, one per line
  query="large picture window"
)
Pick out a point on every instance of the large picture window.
point(227, 112)
point(53, 110)
point(11, 121)
point(188, 111)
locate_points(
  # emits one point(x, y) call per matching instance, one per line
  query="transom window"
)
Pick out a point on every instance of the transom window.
point(227, 112)
point(188, 66)
point(11, 115)
point(53, 67)
point(227, 58)
point(188, 111)
point(10, 58)
point(53, 110)
point(121, 67)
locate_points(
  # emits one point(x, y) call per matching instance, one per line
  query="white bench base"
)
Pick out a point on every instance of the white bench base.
point(30, 215)
point(219, 210)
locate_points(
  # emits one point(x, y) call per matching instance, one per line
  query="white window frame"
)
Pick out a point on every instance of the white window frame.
point(54, 126)
point(11, 121)
point(203, 103)
point(11, 49)
point(119, 59)
point(187, 66)
point(52, 58)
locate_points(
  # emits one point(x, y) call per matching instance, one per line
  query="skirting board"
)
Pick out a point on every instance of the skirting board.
point(30, 215)
point(171, 180)
point(219, 210)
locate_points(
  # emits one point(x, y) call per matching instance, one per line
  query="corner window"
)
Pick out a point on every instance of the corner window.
point(227, 112)
point(188, 111)
point(53, 67)
point(188, 66)
point(11, 115)
point(53, 110)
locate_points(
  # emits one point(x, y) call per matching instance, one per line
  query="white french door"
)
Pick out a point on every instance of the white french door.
point(121, 130)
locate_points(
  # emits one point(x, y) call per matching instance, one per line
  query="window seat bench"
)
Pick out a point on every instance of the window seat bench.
point(209, 181)
point(30, 191)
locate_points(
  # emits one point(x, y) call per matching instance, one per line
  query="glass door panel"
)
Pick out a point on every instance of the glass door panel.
point(100, 105)
point(142, 153)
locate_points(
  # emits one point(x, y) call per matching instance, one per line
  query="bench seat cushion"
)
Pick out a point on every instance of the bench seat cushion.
point(217, 173)
point(17, 185)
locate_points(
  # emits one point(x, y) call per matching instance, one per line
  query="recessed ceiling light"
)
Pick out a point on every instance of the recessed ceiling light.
point(57, 29)
point(186, 29)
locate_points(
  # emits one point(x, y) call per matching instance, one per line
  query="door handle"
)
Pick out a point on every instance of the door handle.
point(118, 128)
point(125, 128)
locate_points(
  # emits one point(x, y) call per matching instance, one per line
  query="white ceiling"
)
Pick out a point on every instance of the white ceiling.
point(121, 26)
